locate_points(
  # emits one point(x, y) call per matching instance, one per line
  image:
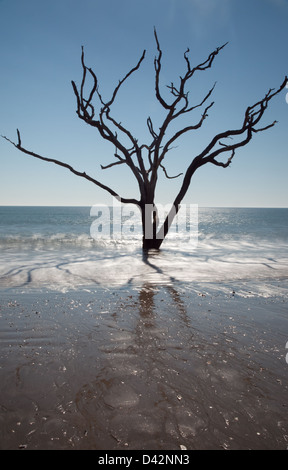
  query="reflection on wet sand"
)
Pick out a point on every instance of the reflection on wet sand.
point(132, 398)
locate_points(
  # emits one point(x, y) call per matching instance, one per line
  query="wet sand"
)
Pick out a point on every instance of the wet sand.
point(150, 368)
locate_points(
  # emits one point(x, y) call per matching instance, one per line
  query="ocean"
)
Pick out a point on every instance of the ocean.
point(62, 248)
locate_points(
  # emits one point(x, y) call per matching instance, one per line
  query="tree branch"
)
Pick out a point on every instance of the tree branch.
point(169, 177)
point(107, 105)
point(179, 95)
point(253, 115)
point(120, 162)
point(151, 129)
point(185, 109)
point(183, 131)
point(86, 112)
point(70, 168)
point(204, 65)
point(157, 65)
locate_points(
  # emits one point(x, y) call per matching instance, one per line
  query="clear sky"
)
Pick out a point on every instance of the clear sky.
point(40, 48)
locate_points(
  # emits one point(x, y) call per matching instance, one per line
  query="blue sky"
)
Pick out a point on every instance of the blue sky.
point(40, 48)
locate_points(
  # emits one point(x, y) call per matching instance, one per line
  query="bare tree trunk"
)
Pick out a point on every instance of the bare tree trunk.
point(150, 223)
point(153, 236)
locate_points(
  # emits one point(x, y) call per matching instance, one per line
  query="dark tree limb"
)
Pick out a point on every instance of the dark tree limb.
point(120, 162)
point(86, 112)
point(70, 168)
point(180, 96)
point(183, 131)
point(157, 65)
point(166, 174)
point(252, 117)
point(179, 93)
point(107, 105)
point(151, 129)
point(185, 109)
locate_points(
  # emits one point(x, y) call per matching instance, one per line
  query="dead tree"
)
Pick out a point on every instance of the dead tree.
point(146, 160)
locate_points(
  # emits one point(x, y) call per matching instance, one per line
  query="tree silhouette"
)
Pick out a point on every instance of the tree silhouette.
point(145, 160)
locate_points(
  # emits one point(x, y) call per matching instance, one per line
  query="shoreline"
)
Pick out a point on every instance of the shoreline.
point(148, 368)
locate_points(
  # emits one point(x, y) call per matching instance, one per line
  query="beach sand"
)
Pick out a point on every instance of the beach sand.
point(147, 368)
